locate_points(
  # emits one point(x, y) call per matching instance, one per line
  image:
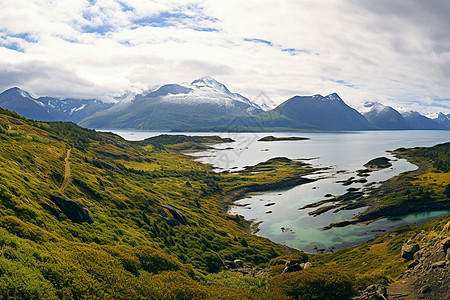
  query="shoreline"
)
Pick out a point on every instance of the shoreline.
point(229, 198)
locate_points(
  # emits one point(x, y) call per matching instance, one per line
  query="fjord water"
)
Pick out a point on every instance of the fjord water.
point(343, 153)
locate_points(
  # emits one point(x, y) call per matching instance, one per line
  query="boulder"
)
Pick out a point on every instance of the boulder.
point(239, 263)
point(408, 251)
point(292, 268)
point(307, 265)
point(75, 211)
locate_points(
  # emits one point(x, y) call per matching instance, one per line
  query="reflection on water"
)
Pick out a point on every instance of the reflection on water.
point(344, 153)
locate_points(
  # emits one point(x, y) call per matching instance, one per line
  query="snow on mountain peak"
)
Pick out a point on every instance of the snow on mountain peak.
point(209, 82)
point(372, 107)
point(16, 90)
point(208, 90)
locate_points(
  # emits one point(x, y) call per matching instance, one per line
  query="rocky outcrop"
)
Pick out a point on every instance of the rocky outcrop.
point(408, 251)
point(428, 275)
point(239, 266)
point(372, 292)
point(292, 268)
point(181, 219)
point(75, 211)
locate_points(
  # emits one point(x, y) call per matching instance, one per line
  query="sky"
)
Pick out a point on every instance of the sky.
point(393, 52)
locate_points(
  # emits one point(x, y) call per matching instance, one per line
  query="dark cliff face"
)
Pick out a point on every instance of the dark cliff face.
point(317, 112)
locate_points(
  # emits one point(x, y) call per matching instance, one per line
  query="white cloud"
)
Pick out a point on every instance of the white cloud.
point(361, 50)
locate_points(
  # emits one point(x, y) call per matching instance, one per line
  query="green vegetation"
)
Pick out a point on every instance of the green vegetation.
point(158, 230)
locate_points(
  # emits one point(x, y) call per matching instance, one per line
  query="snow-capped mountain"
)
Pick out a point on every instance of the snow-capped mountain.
point(49, 109)
point(384, 117)
point(417, 121)
point(201, 103)
point(443, 119)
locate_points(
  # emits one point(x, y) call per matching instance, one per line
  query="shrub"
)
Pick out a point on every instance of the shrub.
point(316, 283)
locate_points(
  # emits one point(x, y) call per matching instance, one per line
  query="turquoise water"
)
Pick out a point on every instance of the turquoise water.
point(344, 154)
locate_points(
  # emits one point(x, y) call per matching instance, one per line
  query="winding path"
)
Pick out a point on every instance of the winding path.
point(66, 172)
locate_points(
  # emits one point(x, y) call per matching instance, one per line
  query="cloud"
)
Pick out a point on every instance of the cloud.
point(394, 52)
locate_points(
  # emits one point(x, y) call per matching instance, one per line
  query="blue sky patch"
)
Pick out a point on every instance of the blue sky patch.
point(12, 41)
point(259, 41)
point(294, 51)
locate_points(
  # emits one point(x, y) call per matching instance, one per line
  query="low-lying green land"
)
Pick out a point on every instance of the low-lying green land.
point(88, 215)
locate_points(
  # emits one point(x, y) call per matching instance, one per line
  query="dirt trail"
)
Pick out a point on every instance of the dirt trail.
point(66, 172)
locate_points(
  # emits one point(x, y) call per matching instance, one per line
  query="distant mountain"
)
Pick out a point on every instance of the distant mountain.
point(202, 103)
point(315, 113)
point(23, 103)
point(417, 121)
point(443, 119)
point(385, 117)
point(49, 109)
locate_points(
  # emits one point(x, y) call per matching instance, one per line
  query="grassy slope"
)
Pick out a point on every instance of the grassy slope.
point(124, 185)
point(130, 252)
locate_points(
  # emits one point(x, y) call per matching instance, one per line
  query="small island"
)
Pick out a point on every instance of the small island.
point(378, 163)
point(271, 138)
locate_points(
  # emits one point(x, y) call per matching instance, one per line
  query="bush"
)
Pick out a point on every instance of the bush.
point(316, 283)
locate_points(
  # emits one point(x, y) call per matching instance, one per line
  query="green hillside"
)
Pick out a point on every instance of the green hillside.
point(88, 215)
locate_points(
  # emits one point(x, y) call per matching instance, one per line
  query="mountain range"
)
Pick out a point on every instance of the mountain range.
point(202, 103)
point(50, 109)
point(208, 105)
point(387, 118)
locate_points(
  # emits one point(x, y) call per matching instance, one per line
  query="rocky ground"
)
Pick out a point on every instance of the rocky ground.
point(428, 274)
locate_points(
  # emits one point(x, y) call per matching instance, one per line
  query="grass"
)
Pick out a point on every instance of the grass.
point(132, 251)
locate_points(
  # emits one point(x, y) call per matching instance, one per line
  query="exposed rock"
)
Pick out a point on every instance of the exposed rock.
point(75, 211)
point(292, 268)
point(177, 215)
point(428, 276)
point(307, 265)
point(239, 263)
point(372, 292)
point(408, 251)
point(229, 264)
